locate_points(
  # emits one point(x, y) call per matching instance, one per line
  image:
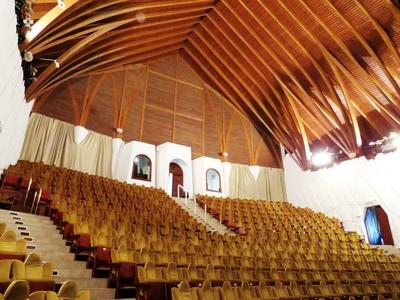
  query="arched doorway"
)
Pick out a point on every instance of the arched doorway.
point(177, 178)
point(378, 227)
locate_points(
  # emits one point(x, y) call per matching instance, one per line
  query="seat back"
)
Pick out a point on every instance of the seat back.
point(207, 292)
point(69, 289)
point(17, 290)
point(184, 292)
point(5, 270)
point(35, 268)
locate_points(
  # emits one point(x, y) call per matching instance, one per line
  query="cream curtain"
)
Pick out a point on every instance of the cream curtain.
point(242, 183)
point(269, 185)
point(52, 142)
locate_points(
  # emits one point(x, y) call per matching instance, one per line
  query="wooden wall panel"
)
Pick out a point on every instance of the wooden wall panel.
point(189, 132)
point(161, 91)
point(164, 65)
point(134, 119)
point(189, 101)
point(102, 110)
point(157, 126)
point(185, 73)
point(238, 147)
point(164, 101)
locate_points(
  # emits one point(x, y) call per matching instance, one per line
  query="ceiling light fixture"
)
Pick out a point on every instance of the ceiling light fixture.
point(52, 60)
point(28, 56)
point(61, 4)
point(322, 158)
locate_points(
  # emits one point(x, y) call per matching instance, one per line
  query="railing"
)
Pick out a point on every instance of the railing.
point(178, 192)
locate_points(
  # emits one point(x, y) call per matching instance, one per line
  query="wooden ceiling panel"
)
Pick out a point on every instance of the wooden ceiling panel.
point(299, 70)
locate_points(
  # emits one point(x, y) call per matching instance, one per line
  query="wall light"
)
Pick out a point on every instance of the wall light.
point(322, 158)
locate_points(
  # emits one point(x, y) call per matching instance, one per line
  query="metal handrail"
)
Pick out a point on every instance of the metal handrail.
point(178, 192)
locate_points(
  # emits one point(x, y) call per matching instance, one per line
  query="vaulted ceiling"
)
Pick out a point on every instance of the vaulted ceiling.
point(306, 71)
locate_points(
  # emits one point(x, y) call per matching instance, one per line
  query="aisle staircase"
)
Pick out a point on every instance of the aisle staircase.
point(44, 238)
point(202, 216)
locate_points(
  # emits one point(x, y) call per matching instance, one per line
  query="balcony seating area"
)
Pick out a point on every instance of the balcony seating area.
point(141, 239)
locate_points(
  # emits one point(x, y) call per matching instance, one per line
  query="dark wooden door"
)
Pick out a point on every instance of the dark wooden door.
point(177, 177)
point(384, 226)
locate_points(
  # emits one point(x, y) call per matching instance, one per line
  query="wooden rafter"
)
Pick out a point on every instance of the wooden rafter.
point(270, 59)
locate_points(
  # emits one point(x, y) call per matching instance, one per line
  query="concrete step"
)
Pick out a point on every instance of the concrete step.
point(102, 294)
point(201, 216)
point(54, 256)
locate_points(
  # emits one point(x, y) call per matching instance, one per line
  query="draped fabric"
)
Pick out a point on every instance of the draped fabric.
point(242, 183)
point(52, 142)
point(347, 189)
point(372, 224)
point(269, 185)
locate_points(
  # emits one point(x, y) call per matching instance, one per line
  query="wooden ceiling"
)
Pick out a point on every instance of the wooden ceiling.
point(304, 70)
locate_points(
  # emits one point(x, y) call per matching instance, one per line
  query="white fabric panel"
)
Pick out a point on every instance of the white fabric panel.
point(269, 184)
point(14, 111)
point(347, 189)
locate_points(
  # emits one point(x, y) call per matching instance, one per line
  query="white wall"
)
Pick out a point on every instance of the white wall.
point(182, 155)
point(345, 190)
point(14, 111)
point(200, 167)
point(124, 165)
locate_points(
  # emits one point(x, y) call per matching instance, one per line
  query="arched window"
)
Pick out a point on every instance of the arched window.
point(213, 180)
point(141, 168)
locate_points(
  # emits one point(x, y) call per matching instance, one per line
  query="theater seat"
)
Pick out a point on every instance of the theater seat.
point(69, 290)
point(10, 247)
point(229, 292)
point(184, 292)
point(11, 181)
point(3, 227)
point(17, 290)
point(151, 282)
point(207, 292)
point(5, 274)
point(35, 271)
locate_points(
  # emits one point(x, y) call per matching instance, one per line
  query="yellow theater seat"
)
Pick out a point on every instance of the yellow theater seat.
point(35, 271)
point(10, 247)
point(3, 227)
point(68, 291)
point(184, 292)
point(5, 274)
point(17, 290)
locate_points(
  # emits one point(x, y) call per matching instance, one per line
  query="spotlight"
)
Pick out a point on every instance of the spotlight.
point(323, 158)
point(52, 60)
point(61, 4)
point(119, 130)
point(28, 56)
